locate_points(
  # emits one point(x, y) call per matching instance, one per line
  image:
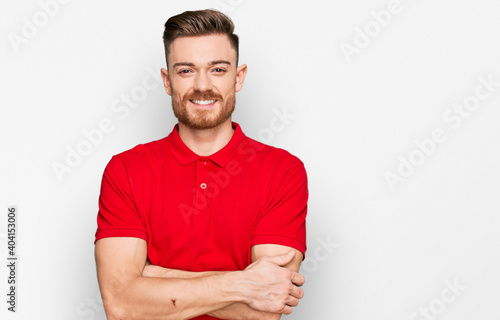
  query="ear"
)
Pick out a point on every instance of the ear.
point(166, 81)
point(241, 73)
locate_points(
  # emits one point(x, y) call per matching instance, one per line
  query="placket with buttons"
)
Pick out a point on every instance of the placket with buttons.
point(201, 202)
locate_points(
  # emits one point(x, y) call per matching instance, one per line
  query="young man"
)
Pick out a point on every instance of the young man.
point(205, 223)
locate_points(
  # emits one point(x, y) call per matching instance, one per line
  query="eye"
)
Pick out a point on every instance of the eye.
point(184, 71)
point(219, 70)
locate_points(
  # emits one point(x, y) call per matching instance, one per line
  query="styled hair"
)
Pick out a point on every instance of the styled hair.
point(199, 23)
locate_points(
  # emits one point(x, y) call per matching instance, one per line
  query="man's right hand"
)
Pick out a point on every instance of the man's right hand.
point(270, 287)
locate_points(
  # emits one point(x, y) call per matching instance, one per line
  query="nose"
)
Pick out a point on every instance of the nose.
point(202, 82)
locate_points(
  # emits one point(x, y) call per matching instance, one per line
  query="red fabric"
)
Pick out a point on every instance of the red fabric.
point(255, 194)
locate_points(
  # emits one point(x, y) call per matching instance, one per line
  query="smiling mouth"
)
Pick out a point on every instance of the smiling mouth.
point(203, 102)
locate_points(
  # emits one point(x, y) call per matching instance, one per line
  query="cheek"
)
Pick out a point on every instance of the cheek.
point(226, 87)
point(176, 95)
point(179, 93)
point(180, 86)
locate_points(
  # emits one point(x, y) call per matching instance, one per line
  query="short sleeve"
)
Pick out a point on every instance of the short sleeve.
point(118, 215)
point(283, 220)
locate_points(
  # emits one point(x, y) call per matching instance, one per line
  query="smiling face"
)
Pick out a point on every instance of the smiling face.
point(202, 80)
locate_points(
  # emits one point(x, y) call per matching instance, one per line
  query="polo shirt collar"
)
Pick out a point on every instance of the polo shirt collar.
point(186, 156)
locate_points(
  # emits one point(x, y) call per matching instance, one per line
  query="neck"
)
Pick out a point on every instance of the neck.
point(207, 141)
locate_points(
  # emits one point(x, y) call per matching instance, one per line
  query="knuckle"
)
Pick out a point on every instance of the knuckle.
point(283, 299)
point(286, 288)
point(276, 308)
point(287, 274)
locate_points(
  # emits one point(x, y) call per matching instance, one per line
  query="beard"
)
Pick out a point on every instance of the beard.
point(201, 119)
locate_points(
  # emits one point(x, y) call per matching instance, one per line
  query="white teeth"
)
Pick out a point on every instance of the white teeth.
point(203, 101)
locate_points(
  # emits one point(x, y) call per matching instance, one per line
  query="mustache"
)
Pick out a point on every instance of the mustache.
point(197, 95)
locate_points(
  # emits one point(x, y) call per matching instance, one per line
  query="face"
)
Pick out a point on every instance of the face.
point(202, 80)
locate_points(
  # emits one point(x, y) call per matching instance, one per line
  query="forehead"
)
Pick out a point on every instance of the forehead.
point(201, 49)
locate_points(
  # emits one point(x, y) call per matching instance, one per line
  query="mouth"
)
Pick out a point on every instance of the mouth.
point(203, 102)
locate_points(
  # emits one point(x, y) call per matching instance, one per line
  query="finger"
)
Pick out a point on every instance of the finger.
point(298, 279)
point(286, 310)
point(282, 259)
point(297, 292)
point(292, 301)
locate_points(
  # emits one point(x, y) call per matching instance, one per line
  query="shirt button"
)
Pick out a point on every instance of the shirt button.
point(203, 185)
point(204, 163)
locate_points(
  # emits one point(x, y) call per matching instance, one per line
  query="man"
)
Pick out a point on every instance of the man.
point(205, 223)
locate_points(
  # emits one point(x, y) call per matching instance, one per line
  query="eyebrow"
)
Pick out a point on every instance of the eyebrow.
point(211, 63)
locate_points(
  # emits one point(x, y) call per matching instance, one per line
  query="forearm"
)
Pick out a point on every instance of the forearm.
point(172, 298)
point(241, 311)
point(234, 311)
point(160, 272)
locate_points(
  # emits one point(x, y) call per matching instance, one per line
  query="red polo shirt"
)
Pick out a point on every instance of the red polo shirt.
point(204, 213)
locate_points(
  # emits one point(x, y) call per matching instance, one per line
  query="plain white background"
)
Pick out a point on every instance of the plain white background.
point(360, 87)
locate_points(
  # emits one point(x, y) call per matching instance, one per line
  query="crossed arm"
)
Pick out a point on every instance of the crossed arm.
point(131, 289)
